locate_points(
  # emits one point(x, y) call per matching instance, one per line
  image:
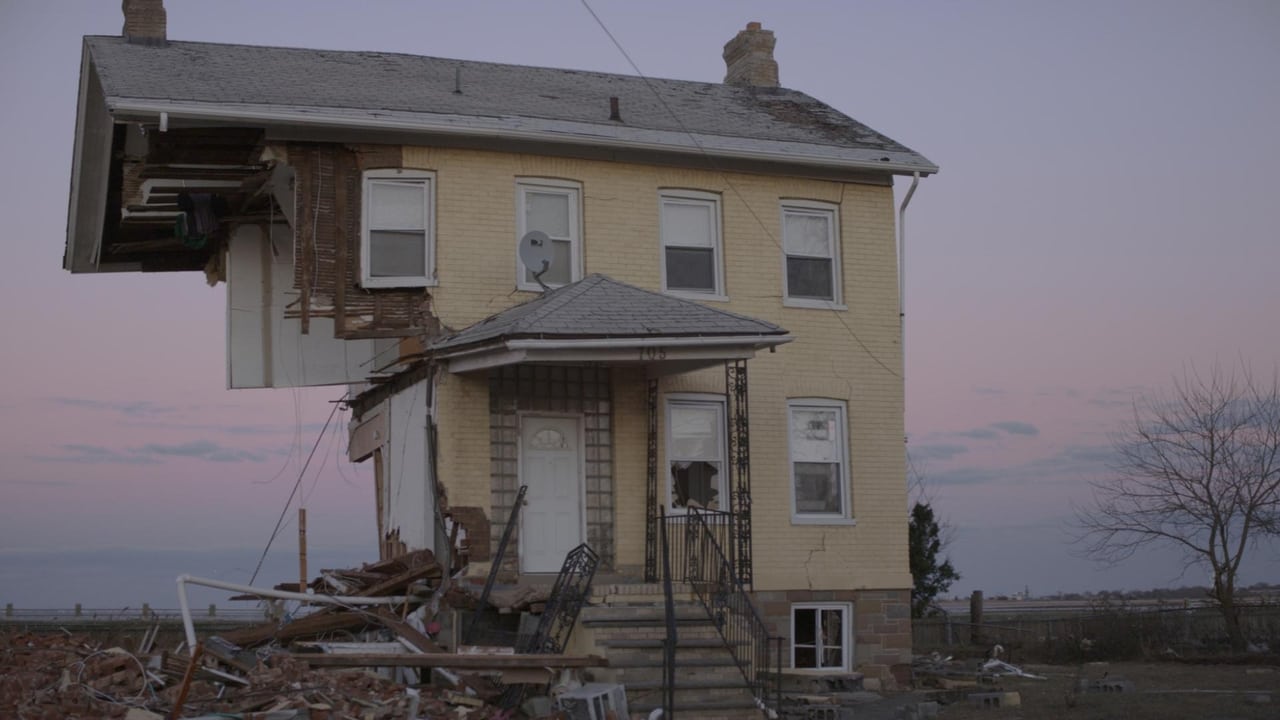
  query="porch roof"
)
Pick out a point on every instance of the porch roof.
point(599, 319)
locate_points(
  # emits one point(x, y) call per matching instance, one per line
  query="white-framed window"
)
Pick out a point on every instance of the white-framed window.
point(818, 443)
point(692, 261)
point(811, 254)
point(695, 453)
point(397, 229)
point(555, 208)
point(820, 636)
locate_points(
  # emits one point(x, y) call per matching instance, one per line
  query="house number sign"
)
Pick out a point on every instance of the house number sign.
point(653, 353)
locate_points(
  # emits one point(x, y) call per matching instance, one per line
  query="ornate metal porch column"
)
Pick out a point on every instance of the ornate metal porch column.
point(735, 386)
point(651, 490)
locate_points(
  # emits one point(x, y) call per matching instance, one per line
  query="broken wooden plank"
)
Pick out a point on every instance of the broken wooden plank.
point(468, 662)
point(419, 640)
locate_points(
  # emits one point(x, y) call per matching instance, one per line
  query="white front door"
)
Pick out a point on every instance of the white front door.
point(551, 465)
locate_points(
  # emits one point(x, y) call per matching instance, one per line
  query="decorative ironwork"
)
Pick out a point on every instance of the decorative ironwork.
point(669, 645)
point(651, 490)
point(568, 595)
point(723, 595)
point(483, 603)
point(738, 432)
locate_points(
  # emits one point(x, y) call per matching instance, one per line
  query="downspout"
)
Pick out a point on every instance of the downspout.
point(902, 271)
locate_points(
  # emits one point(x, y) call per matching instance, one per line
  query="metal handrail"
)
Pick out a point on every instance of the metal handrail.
point(755, 651)
point(669, 646)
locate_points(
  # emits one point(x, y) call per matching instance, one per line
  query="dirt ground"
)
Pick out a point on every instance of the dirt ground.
point(1160, 691)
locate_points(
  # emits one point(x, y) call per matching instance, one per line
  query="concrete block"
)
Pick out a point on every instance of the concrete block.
point(919, 711)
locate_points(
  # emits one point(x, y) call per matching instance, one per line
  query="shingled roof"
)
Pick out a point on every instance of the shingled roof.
point(600, 307)
point(408, 92)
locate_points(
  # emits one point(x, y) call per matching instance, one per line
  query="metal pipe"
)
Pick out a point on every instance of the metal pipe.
point(902, 270)
point(189, 626)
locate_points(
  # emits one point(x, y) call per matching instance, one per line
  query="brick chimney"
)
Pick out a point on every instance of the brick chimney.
point(748, 58)
point(145, 22)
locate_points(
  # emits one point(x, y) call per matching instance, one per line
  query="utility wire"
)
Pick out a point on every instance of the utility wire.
point(724, 176)
point(296, 485)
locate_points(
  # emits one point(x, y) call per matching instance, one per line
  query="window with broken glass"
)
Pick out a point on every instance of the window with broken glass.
point(695, 453)
point(812, 276)
point(820, 636)
point(819, 467)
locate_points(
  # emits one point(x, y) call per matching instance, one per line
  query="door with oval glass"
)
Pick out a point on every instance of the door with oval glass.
point(551, 464)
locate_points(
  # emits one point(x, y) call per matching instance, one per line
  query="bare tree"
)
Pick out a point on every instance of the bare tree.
point(1197, 469)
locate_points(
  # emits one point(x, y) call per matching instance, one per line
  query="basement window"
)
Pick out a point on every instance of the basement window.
point(397, 233)
point(820, 636)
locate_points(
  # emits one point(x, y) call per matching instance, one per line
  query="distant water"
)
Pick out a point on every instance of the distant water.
point(113, 578)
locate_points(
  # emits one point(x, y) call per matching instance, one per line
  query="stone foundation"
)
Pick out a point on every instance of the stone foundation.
point(881, 625)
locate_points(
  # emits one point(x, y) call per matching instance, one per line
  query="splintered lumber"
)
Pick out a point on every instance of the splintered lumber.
point(457, 662)
point(407, 632)
point(396, 584)
point(317, 624)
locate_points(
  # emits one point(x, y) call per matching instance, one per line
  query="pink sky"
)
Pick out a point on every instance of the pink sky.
point(1106, 215)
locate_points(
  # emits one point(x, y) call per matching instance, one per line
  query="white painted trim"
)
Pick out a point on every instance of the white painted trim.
point(573, 190)
point(582, 470)
point(700, 197)
point(845, 628)
point(837, 250)
point(428, 178)
point(846, 495)
point(524, 128)
point(613, 351)
point(696, 399)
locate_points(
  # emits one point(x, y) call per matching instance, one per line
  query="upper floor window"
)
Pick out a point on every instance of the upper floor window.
point(812, 255)
point(554, 207)
point(397, 234)
point(695, 452)
point(691, 254)
point(819, 460)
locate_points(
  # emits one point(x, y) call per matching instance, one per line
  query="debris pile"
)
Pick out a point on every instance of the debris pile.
point(288, 667)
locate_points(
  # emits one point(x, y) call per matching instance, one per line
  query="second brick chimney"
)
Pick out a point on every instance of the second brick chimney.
point(748, 58)
point(145, 22)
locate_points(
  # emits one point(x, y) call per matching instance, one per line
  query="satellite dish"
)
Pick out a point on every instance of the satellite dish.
point(536, 253)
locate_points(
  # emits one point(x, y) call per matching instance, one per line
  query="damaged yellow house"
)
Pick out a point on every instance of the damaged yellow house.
point(716, 331)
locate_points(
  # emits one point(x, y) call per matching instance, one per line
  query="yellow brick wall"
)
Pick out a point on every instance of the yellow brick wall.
point(476, 266)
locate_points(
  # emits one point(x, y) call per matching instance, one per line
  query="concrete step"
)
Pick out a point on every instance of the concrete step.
point(712, 709)
point(642, 659)
point(634, 615)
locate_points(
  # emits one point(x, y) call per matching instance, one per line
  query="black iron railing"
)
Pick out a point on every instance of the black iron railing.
point(669, 647)
point(482, 605)
point(711, 574)
point(718, 522)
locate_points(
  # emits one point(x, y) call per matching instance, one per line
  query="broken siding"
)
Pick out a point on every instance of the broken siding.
point(328, 201)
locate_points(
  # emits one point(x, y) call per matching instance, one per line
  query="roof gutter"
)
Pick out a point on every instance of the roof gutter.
point(149, 110)
point(615, 343)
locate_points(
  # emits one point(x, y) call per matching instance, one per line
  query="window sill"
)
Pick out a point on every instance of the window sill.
point(813, 304)
point(823, 520)
point(396, 283)
point(692, 295)
point(524, 287)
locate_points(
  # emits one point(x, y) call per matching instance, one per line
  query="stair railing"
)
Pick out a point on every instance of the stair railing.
point(669, 645)
point(710, 573)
